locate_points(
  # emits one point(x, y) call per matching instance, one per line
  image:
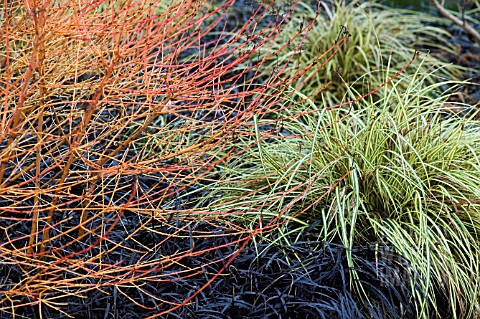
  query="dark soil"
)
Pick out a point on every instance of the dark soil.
point(468, 55)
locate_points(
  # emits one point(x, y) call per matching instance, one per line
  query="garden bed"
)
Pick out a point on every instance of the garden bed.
point(258, 179)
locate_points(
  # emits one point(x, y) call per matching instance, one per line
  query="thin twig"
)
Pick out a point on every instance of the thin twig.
point(456, 20)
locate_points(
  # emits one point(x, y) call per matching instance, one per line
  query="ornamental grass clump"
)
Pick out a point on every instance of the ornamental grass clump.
point(113, 114)
point(380, 40)
point(393, 173)
point(375, 159)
